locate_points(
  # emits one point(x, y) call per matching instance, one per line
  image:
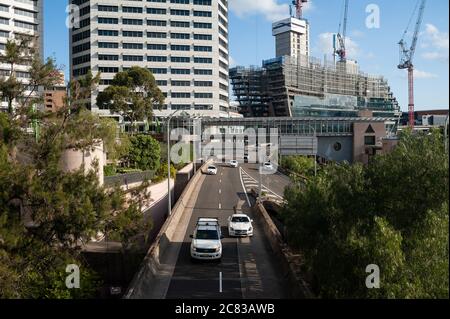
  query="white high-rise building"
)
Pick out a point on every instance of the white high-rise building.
point(20, 17)
point(183, 42)
point(291, 37)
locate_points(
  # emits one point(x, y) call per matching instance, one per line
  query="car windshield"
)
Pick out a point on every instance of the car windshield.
point(207, 234)
point(240, 220)
point(211, 167)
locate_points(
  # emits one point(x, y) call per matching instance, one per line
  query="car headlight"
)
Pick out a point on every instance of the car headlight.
point(194, 249)
point(217, 249)
point(231, 228)
point(250, 229)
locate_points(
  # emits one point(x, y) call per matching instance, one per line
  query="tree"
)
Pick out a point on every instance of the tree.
point(393, 213)
point(46, 214)
point(133, 94)
point(300, 165)
point(42, 74)
point(144, 153)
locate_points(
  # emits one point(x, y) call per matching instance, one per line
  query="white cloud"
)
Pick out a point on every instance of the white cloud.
point(418, 74)
point(325, 45)
point(357, 34)
point(272, 10)
point(232, 62)
point(436, 43)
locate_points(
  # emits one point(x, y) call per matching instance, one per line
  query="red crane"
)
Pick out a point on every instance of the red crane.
point(407, 57)
point(340, 38)
point(299, 6)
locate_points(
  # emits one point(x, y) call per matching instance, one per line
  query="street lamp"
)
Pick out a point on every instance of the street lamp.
point(169, 196)
point(446, 136)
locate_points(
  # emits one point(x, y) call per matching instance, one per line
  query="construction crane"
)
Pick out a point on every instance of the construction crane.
point(339, 39)
point(298, 4)
point(407, 57)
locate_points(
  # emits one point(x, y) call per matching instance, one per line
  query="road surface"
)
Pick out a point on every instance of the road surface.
point(248, 267)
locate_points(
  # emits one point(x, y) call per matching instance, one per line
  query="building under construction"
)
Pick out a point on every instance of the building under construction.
point(295, 84)
point(304, 86)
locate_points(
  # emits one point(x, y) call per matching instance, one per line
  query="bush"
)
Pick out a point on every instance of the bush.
point(301, 165)
point(110, 170)
point(144, 153)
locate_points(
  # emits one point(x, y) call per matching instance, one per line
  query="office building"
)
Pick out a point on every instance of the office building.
point(183, 42)
point(20, 18)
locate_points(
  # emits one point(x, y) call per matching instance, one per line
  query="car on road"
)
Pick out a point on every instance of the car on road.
point(207, 240)
point(234, 163)
point(212, 170)
point(268, 166)
point(240, 225)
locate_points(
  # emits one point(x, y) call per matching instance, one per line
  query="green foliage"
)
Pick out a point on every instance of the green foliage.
point(300, 165)
point(133, 94)
point(393, 213)
point(144, 153)
point(46, 212)
point(110, 170)
point(161, 174)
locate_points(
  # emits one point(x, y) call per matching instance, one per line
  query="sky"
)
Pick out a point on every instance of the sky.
point(375, 49)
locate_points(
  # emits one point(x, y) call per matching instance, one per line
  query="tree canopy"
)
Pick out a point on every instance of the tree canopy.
point(392, 213)
point(46, 213)
point(132, 94)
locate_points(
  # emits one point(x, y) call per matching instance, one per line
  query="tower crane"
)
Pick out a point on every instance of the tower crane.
point(341, 51)
point(298, 4)
point(407, 57)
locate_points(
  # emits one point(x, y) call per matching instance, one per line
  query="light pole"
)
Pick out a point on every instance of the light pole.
point(169, 195)
point(446, 136)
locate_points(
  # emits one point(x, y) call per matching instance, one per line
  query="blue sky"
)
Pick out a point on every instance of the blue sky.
point(375, 50)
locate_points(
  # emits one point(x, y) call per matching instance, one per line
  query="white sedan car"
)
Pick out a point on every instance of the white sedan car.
point(268, 166)
point(212, 170)
point(240, 225)
point(234, 163)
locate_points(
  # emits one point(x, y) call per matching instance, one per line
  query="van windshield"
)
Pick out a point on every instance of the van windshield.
point(207, 234)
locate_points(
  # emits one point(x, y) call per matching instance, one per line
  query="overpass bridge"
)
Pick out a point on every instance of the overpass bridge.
point(331, 138)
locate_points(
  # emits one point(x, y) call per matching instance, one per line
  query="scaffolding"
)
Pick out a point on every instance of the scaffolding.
point(273, 89)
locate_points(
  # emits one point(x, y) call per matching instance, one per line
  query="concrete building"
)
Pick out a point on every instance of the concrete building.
point(183, 42)
point(54, 97)
point(304, 86)
point(291, 37)
point(19, 18)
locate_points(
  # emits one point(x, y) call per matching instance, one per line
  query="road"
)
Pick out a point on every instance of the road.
point(275, 182)
point(248, 267)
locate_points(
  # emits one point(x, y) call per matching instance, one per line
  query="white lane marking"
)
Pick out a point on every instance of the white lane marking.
point(220, 206)
point(220, 282)
point(220, 191)
point(243, 187)
point(264, 187)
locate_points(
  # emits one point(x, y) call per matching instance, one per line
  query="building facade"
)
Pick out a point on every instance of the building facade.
point(303, 86)
point(55, 96)
point(20, 18)
point(183, 42)
point(291, 37)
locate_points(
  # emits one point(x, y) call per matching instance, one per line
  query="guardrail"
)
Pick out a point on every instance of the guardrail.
point(151, 265)
point(290, 262)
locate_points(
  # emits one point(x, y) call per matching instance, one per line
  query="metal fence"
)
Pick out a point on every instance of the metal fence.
point(129, 178)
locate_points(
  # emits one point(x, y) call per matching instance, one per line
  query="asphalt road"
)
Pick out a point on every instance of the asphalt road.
point(275, 182)
point(248, 267)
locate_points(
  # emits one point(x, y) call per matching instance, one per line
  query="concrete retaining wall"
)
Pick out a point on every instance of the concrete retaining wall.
point(289, 261)
point(151, 264)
